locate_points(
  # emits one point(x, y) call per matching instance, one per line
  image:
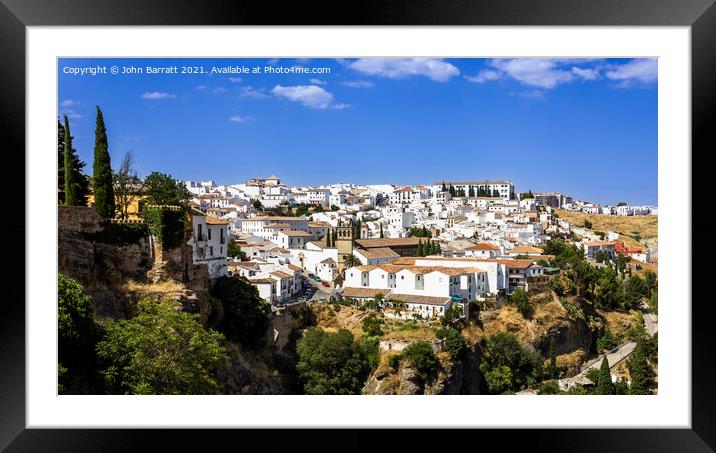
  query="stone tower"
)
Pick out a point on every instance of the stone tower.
point(344, 244)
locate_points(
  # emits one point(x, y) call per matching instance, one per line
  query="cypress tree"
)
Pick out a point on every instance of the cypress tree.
point(420, 247)
point(81, 182)
point(605, 386)
point(381, 232)
point(102, 171)
point(70, 185)
point(642, 376)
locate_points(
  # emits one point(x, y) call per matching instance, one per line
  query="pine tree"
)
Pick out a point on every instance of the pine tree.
point(444, 188)
point(102, 171)
point(70, 186)
point(605, 386)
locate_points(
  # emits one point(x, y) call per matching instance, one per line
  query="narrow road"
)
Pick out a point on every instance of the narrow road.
point(616, 355)
point(322, 293)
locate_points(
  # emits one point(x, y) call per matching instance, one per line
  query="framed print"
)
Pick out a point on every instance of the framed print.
point(425, 217)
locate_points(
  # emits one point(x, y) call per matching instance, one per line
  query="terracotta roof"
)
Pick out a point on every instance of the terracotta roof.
point(294, 267)
point(273, 218)
point(281, 274)
point(262, 280)
point(277, 225)
point(211, 220)
point(295, 233)
point(598, 243)
point(427, 300)
point(363, 293)
point(526, 250)
point(388, 242)
point(379, 252)
point(483, 246)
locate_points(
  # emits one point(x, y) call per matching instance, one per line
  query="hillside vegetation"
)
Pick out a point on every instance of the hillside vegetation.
point(647, 226)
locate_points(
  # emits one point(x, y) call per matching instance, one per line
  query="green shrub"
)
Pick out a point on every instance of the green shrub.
point(166, 224)
point(549, 388)
point(371, 326)
point(394, 361)
point(420, 354)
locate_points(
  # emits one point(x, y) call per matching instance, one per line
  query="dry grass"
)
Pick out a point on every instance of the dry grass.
point(160, 287)
point(333, 318)
point(572, 362)
point(618, 322)
point(646, 225)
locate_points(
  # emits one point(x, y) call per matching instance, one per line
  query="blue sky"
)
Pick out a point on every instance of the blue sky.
point(587, 128)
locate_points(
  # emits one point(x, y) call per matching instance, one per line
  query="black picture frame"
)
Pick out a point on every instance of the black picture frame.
point(16, 15)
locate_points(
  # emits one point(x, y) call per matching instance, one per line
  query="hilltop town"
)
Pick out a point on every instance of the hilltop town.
point(456, 287)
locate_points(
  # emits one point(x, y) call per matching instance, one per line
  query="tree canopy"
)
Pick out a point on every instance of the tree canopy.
point(162, 189)
point(246, 315)
point(102, 171)
point(161, 351)
point(331, 363)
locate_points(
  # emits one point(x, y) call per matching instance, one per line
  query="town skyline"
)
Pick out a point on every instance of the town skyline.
point(553, 123)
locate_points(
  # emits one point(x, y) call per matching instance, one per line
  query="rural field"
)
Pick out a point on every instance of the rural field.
point(646, 226)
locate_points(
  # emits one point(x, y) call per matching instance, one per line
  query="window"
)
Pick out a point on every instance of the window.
point(208, 231)
point(221, 235)
point(211, 250)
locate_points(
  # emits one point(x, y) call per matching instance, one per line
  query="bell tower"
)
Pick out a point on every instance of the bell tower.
point(344, 244)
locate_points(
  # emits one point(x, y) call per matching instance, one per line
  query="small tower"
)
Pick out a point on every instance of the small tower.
point(344, 244)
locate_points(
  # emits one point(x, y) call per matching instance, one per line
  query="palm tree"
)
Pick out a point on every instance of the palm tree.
point(350, 261)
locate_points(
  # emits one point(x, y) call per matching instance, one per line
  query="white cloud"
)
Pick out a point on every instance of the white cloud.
point(309, 95)
point(251, 92)
point(239, 119)
point(358, 84)
point(157, 95)
point(219, 90)
point(484, 76)
point(201, 87)
point(235, 79)
point(69, 103)
point(317, 82)
point(70, 113)
point(585, 73)
point(397, 68)
point(537, 72)
point(642, 70)
point(272, 61)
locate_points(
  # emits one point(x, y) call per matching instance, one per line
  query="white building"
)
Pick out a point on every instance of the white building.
point(209, 242)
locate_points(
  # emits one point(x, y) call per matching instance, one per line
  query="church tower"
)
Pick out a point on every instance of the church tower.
point(344, 244)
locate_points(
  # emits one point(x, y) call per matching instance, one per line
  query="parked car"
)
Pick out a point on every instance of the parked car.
point(326, 284)
point(317, 278)
point(313, 276)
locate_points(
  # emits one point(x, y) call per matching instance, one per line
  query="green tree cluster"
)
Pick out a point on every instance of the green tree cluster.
point(77, 334)
point(420, 354)
point(246, 315)
point(507, 366)
point(161, 351)
point(521, 299)
point(454, 342)
point(79, 184)
point(372, 325)
point(161, 189)
point(331, 363)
